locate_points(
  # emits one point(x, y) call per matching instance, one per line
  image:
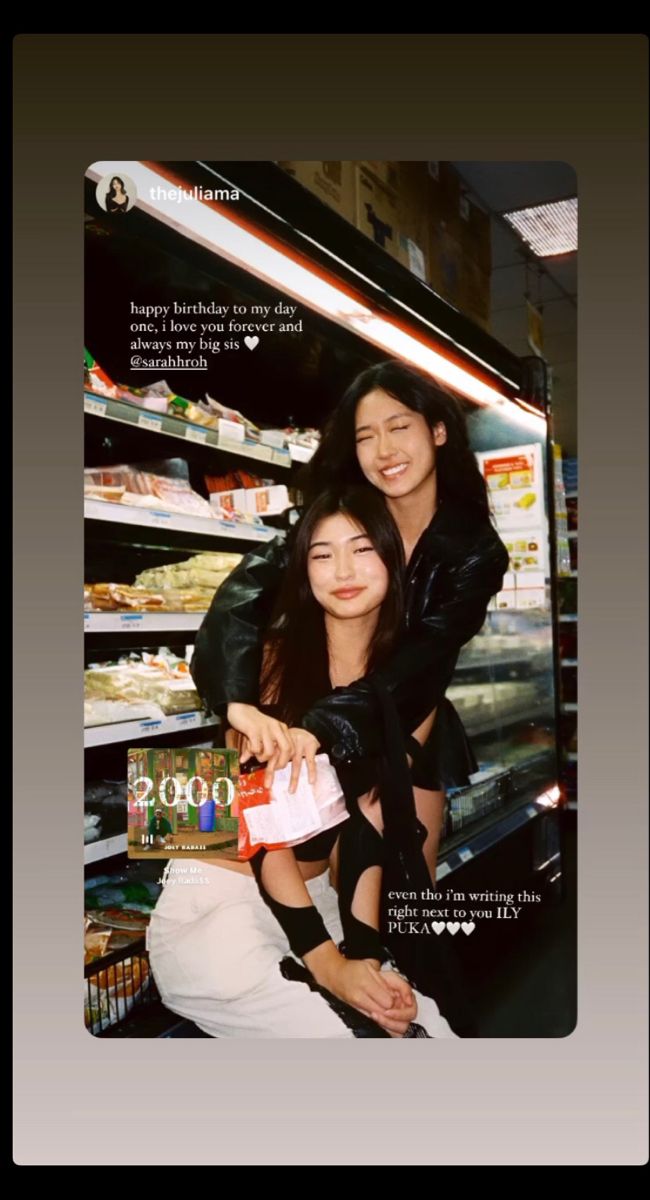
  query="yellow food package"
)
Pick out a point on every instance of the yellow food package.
point(527, 500)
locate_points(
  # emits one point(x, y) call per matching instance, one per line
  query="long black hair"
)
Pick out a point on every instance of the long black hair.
point(296, 662)
point(458, 476)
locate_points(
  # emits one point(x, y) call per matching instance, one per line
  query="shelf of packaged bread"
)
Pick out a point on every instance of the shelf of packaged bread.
point(159, 518)
point(186, 431)
point(96, 851)
point(142, 622)
point(135, 731)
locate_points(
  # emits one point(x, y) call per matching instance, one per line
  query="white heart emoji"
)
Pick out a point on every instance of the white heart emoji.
point(453, 926)
point(468, 926)
point(251, 342)
point(438, 926)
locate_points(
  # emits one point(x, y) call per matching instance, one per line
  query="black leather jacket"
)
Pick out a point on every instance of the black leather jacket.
point(456, 567)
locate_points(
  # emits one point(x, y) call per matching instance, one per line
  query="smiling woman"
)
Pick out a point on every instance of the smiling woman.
point(396, 450)
point(398, 432)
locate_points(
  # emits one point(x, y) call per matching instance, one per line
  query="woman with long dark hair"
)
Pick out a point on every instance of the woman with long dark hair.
point(399, 431)
point(227, 963)
point(117, 200)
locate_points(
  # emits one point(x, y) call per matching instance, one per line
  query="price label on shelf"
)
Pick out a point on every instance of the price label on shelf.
point(465, 854)
point(195, 435)
point(92, 404)
point(191, 718)
point(148, 726)
point(158, 517)
point(145, 421)
point(130, 619)
point(531, 810)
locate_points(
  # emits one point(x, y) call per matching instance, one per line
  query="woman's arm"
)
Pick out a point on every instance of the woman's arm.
point(384, 996)
point(227, 655)
point(347, 722)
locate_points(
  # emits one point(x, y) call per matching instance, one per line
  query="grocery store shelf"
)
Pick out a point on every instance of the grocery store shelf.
point(568, 662)
point(154, 518)
point(485, 839)
point(132, 414)
point(568, 706)
point(568, 617)
point(510, 660)
point(500, 719)
point(95, 851)
point(135, 622)
point(125, 731)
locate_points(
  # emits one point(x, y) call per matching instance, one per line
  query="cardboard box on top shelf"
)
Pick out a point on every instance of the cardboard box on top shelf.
point(446, 264)
point(388, 173)
point(332, 182)
point(475, 293)
point(476, 234)
point(413, 218)
point(376, 211)
point(444, 199)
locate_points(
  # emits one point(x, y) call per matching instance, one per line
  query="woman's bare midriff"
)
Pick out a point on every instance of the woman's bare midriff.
point(308, 870)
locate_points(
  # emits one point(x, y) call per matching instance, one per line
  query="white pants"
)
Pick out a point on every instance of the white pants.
point(215, 950)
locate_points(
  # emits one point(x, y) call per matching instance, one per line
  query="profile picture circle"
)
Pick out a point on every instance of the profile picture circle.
point(116, 193)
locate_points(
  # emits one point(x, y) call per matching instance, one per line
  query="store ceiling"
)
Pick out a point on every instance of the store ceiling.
point(501, 187)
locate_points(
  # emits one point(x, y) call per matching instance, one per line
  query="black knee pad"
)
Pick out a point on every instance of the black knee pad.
point(304, 926)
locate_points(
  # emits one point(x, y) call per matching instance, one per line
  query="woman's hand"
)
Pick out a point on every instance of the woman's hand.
point(381, 995)
point(305, 746)
point(397, 1019)
point(266, 739)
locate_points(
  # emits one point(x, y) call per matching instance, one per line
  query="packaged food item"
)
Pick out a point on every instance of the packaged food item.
point(92, 827)
point(121, 918)
point(96, 941)
point(274, 818)
point(163, 484)
point(96, 380)
point(110, 994)
point(263, 500)
point(138, 689)
point(113, 712)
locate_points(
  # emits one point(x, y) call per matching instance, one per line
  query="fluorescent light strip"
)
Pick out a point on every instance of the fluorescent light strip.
point(371, 283)
point(549, 229)
point(210, 228)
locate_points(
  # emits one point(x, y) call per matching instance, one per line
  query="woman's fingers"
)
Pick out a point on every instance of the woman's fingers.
point(284, 743)
point(310, 755)
point(296, 764)
point(377, 993)
point(390, 1025)
point(401, 987)
point(305, 748)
